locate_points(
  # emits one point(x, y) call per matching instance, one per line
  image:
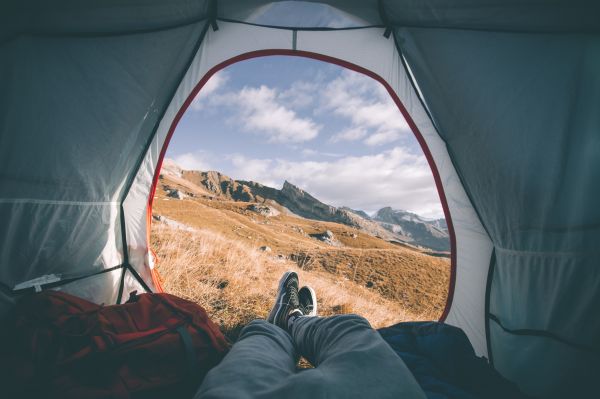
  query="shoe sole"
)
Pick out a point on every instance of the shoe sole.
point(279, 300)
point(313, 295)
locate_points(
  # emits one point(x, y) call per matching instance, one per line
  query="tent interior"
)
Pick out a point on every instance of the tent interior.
point(504, 98)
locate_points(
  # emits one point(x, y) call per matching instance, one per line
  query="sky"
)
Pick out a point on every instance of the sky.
point(333, 132)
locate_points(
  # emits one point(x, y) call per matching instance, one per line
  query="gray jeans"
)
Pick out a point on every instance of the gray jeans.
point(351, 361)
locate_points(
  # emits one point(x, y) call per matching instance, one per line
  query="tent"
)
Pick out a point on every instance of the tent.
point(503, 96)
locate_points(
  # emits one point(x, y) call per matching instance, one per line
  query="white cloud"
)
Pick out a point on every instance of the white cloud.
point(194, 161)
point(210, 87)
point(309, 152)
point(264, 110)
point(351, 134)
point(300, 94)
point(367, 105)
point(373, 116)
point(261, 111)
point(394, 178)
point(382, 137)
point(248, 169)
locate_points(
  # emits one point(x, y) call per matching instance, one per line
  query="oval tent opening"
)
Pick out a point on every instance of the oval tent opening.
point(289, 163)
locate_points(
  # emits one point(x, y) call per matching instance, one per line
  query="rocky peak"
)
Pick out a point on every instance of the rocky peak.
point(302, 203)
point(385, 212)
point(422, 231)
point(213, 179)
point(290, 188)
point(360, 213)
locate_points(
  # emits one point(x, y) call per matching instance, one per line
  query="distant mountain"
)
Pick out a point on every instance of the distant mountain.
point(431, 233)
point(362, 214)
point(303, 204)
point(222, 186)
point(290, 197)
point(388, 224)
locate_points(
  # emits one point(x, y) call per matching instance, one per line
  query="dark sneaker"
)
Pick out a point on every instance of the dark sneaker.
point(308, 301)
point(286, 301)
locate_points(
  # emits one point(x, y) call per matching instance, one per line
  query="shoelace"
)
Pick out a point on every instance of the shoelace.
point(306, 309)
point(293, 300)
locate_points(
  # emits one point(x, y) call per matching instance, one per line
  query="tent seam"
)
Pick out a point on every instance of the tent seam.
point(488, 291)
point(139, 278)
point(299, 28)
point(56, 202)
point(66, 281)
point(549, 254)
point(545, 334)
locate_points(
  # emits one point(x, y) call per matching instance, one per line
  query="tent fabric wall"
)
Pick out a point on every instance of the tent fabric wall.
point(493, 15)
point(76, 111)
point(519, 113)
point(504, 96)
point(96, 18)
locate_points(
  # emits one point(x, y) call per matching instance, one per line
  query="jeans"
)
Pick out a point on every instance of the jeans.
point(351, 361)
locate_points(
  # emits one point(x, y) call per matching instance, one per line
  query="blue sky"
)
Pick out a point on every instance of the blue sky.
point(331, 131)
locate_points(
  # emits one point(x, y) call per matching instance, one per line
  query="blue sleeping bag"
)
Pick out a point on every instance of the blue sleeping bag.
point(444, 363)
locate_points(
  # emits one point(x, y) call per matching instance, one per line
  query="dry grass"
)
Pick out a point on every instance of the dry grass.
point(235, 282)
point(219, 265)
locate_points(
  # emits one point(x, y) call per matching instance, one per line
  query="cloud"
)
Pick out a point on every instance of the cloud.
point(309, 152)
point(367, 105)
point(351, 134)
point(215, 82)
point(300, 94)
point(199, 160)
point(372, 115)
point(264, 110)
point(261, 111)
point(382, 137)
point(248, 169)
point(394, 178)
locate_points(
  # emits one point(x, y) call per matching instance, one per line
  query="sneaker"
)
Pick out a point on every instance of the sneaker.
point(286, 301)
point(308, 301)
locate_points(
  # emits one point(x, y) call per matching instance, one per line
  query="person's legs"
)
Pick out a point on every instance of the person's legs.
point(351, 359)
point(263, 360)
point(259, 365)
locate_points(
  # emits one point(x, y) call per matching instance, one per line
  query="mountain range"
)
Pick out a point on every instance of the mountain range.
point(397, 226)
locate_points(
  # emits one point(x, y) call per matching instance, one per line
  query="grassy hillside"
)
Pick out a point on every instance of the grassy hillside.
point(217, 262)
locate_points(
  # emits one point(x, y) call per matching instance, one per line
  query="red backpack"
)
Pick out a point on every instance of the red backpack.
point(155, 345)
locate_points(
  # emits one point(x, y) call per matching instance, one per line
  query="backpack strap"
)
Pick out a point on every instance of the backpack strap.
point(190, 353)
